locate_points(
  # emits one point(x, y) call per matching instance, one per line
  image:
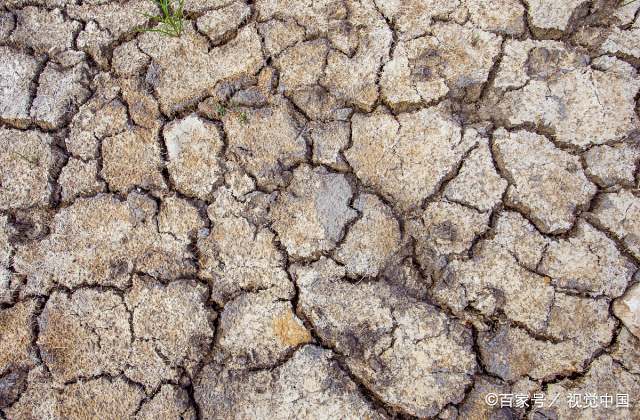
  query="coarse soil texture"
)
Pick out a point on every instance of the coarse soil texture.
point(320, 209)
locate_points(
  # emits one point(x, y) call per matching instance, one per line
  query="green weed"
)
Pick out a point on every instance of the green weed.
point(220, 110)
point(474, 40)
point(242, 116)
point(619, 3)
point(32, 160)
point(171, 23)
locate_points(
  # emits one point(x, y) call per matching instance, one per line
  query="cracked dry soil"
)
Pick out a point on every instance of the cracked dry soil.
point(429, 201)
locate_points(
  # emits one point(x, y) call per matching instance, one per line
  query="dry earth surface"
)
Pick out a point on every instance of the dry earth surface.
point(423, 202)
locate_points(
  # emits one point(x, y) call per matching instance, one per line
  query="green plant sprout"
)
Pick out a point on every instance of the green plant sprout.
point(33, 160)
point(619, 3)
point(242, 115)
point(474, 40)
point(171, 23)
point(220, 110)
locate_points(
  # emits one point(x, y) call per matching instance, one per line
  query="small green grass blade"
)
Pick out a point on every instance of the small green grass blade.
point(172, 24)
point(149, 16)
